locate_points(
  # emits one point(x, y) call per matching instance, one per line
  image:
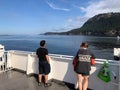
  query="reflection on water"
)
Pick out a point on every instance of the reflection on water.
point(67, 45)
point(103, 46)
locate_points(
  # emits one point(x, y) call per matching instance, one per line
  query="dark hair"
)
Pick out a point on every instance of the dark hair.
point(84, 44)
point(42, 43)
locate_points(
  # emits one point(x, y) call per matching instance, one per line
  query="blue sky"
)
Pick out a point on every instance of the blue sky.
point(40, 16)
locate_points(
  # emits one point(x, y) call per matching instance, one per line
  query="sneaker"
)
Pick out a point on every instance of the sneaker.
point(47, 84)
point(40, 83)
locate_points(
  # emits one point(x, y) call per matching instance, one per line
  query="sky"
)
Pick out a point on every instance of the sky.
point(40, 16)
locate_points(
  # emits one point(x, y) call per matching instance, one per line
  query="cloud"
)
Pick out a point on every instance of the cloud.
point(60, 29)
point(55, 7)
point(94, 8)
point(102, 6)
point(76, 22)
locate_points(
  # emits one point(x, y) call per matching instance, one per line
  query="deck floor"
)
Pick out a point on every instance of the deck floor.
point(14, 80)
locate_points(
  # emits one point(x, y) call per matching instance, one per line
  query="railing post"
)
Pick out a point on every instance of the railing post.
point(28, 65)
point(8, 63)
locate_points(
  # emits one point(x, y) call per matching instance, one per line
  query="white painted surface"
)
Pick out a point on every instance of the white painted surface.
point(62, 69)
point(116, 51)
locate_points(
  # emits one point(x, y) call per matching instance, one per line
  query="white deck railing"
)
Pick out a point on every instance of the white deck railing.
point(62, 69)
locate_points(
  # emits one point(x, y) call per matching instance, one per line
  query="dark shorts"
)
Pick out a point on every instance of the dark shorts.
point(44, 67)
point(83, 73)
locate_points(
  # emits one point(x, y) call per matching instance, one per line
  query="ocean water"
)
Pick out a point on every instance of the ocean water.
point(102, 47)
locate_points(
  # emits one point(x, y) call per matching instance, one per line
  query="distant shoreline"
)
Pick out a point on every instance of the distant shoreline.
point(77, 35)
point(5, 35)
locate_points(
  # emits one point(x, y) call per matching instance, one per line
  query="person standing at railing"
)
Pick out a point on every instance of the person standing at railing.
point(44, 63)
point(82, 65)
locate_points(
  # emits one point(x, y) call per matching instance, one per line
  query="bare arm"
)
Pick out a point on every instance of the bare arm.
point(48, 60)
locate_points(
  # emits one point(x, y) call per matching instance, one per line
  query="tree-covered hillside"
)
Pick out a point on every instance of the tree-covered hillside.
point(103, 24)
point(107, 24)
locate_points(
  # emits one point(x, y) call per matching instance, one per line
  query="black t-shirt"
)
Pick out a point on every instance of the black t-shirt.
point(41, 53)
point(84, 57)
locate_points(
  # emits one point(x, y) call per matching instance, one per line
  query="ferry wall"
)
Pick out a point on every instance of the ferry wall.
point(62, 69)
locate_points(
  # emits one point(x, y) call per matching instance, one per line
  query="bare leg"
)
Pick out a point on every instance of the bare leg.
point(46, 81)
point(85, 83)
point(80, 79)
point(39, 77)
point(46, 78)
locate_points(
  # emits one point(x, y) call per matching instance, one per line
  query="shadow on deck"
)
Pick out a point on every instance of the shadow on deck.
point(15, 80)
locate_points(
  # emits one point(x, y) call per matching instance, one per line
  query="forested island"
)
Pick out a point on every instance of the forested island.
point(106, 24)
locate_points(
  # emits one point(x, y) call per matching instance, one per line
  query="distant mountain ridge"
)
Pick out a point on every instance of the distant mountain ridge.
point(107, 24)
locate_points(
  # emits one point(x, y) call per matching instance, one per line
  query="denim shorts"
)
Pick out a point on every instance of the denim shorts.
point(44, 67)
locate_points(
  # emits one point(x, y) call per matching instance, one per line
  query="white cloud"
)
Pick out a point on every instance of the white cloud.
point(102, 6)
point(94, 8)
point(70, 20)
point(53, 6)
point(76, 22)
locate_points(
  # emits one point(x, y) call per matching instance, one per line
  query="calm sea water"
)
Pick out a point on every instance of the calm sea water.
point(102, 47)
